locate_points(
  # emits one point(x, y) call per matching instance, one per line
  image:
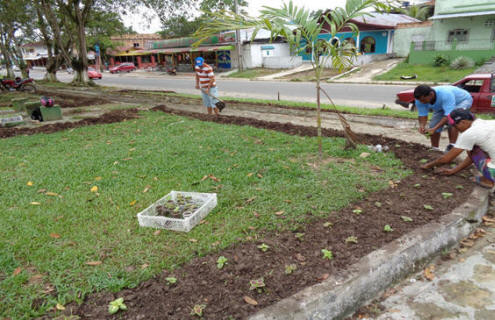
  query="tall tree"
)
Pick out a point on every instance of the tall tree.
point(302, 30)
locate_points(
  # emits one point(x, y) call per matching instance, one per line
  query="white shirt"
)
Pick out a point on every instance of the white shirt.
point(482, 134)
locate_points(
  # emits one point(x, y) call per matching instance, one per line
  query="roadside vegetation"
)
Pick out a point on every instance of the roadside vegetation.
point(70, 199)
point(428, 73)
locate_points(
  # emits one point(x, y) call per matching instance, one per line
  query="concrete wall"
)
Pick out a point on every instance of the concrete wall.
point(282, 62)
point(253, 55)
point(404, 36)
point(463, 6)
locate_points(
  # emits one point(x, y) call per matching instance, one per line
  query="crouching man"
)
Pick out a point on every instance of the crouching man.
point(477, 137)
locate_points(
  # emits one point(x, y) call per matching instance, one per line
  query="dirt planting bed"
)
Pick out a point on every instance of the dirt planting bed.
point(65, 100)
point(294, 260)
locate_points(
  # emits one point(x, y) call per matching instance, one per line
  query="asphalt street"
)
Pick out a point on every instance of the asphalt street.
point(354, 95)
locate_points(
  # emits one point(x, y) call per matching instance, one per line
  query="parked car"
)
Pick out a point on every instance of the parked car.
point(93, 73)
point(123, 67)
point(481, 86)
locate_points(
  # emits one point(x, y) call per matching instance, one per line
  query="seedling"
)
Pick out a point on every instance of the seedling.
point(388, 228)
point(290, 268)
point(351, 239)
point(299, 236)
point(378, 204)
point(257, 284)
point(459, 187)
point(263, 247)
point(446, 195)
point(406, 219)
point(221, 261)
point(424, 176)
point(428, 207)
point(198, 309)
point(423, 161)
point(417, 185)
point(357, 211)
point(327, 254)
point(328, 224)
point(171, 280)
point(116, 305)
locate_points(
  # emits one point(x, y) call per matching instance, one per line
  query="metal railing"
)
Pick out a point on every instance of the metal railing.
point(474, 44)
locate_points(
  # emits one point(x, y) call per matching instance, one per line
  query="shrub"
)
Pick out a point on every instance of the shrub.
point(481, 61)
point(440, 60)
point(462, 63)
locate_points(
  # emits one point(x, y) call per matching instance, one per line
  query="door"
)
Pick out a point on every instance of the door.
point(487, 97)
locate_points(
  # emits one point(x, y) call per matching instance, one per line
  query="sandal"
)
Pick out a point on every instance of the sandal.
point(477, 180)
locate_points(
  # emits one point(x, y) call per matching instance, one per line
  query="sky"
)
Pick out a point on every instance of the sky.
point(140, 24)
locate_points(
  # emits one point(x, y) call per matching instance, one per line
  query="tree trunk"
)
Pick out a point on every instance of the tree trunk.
point(81, 68)
point(7, 58)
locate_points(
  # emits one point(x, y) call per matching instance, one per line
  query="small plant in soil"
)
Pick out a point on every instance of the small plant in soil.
point(423, 161)
point(171, 280)
point(417, 185)
point(459, 187)
point(198, 309)
point(388, 228)
point(290, 268)
point(446, 195)
point(328, 224)
point(327, 254)
point(178, 209)
point(351, 239)
point(357, 211)
point(221, 261)
point(263, 247)
point(299, 236)
point(406, 219)
point(116, 305)
point(378, 204)
point(428, 207)
point(257, 284)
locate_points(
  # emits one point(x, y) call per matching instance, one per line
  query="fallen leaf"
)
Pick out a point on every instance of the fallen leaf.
point(41, 191)
point(54, 235)
point(144, 266)
point(250, 301)
point(429, 272)
point(30, 183)
point(279, 213)
point(127, 159)
point(323, 277)
point(36, 279)
point(132, 203)
point(193, 240)
point(53, 194)
point(212, 177)
point(467, 243)
point(300, 257)
point(157, 232)
point(132, 149)
point(486, 219)
point(60, 307)
point(155, 178)
point(35, 203)
point(250, 174)
point(259, 175)
point(250, 200)
point(98, 178)
point(94, 189)
point(93, 263)
point(364, 155)
point(204, 178)
point(146, 189)
point(17, 271)
point(288, 201)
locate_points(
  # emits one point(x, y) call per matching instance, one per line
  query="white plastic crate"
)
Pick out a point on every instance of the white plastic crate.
point(206, 202)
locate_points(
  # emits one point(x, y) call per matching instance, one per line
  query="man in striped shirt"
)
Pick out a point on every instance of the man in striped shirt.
point(205, 81)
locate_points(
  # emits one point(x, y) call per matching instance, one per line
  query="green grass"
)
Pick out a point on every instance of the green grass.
point(254, 73)
point(425, 73)
point(54, 239)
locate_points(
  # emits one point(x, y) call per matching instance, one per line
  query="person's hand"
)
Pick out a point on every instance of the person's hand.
point(430, 131)
point(197, 86)
point(426, 166)
point(208, 90)
point(421, 130)
point(444, 171)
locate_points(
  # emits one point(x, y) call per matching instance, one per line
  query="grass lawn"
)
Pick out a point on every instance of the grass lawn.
point(70, 199)
point(424, 73)
point(254, 73)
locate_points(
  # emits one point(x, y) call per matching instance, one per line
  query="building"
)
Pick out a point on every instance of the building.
point(35, 54)
point(375, 38)
point(457, 28)
point(137, 41)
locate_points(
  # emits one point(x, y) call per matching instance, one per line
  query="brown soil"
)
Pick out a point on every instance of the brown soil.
point(65, 100)
point(224, 291)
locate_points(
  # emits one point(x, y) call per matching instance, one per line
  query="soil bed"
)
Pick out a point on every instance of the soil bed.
point(226, 292)
point(65, 100)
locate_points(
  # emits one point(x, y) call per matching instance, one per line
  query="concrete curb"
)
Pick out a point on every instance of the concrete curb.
point(342, 294)
point(401, 83)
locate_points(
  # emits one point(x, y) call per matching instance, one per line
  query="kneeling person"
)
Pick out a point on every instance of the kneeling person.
point(478, 139)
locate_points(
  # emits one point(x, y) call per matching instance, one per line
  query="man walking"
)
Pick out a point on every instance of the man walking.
point(205, 81)
point(442, 100)
point(478, 139)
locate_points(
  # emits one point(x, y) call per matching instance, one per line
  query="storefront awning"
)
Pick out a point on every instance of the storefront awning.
point(175, 50)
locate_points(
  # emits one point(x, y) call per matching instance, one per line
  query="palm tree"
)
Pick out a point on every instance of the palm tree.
point(301, 30)
point(418, 12)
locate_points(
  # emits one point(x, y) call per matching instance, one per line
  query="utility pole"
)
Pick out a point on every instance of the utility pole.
point(238, 40)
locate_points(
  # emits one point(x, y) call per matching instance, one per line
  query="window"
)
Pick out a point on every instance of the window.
point(335, 42)
point(368, 45)
point(136, 44)
point(471, 85)
point(490, 23)
point(459, 35)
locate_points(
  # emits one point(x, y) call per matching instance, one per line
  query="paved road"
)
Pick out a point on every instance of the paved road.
point(355, 95)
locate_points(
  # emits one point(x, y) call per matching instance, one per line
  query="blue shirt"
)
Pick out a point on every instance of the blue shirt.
point(447, 98)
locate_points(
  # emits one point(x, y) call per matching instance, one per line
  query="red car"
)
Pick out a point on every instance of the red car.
point(93, 73)
point(123, 67)
point(481, 87)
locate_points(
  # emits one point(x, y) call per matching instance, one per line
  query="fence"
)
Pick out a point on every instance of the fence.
point(423, 52)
